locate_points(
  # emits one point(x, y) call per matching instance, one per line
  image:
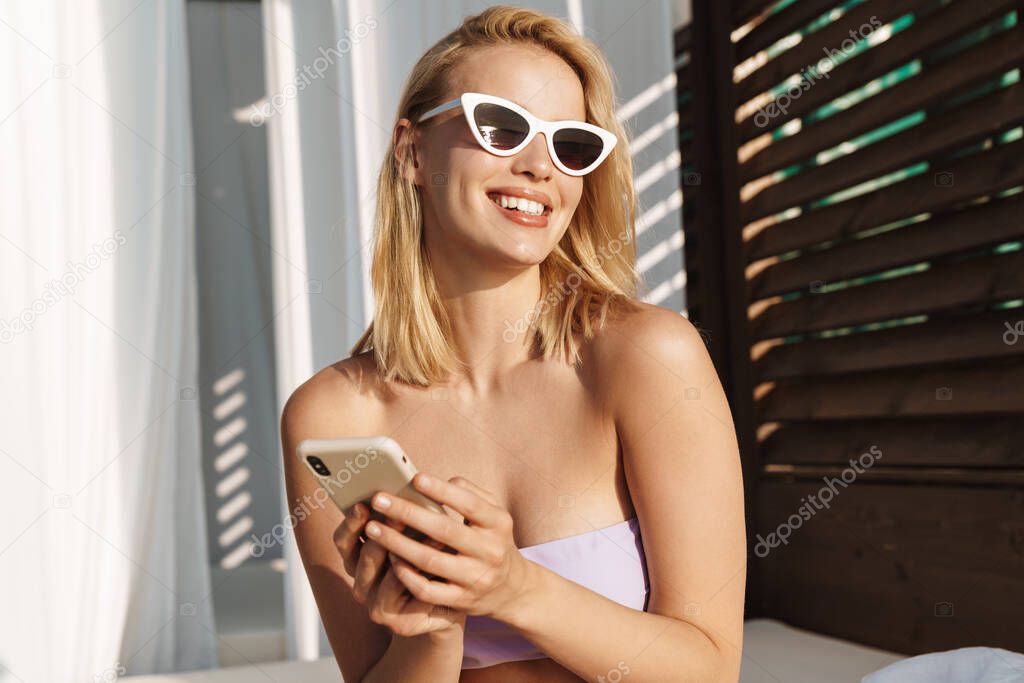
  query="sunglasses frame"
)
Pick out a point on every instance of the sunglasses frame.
point(469, 101)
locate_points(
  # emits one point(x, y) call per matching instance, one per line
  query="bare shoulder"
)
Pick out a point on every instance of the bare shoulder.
point(336, 398)
point(647, 338)
point(647, 350)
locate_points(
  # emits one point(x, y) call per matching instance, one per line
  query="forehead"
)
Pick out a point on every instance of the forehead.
point(533, 78)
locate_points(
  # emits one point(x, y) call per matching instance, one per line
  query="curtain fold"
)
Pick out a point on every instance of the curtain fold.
point(103, 564)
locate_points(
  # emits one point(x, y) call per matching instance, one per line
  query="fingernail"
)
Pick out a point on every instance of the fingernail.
point(381, 502)
point(372, 529)
point(426, 481)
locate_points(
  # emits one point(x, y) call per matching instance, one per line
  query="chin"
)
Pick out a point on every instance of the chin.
point(528, 252)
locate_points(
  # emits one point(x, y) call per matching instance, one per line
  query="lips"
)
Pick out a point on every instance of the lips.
point(495, 199)
point(525, 193)
point(523, 219)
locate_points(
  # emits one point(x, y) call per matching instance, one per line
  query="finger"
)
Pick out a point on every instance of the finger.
point(475, 488)
point(437, 526)
point(389, 594)
point(456, 494)
point(478, 490)
point(387, 600)
point(346, 537)
point(373, 560)
point(422, 588)
point(430, 560)
point(393, 599)
point(439, 546)
point(409, 531)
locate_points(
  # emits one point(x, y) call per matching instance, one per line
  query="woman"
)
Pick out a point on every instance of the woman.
point(579, 438)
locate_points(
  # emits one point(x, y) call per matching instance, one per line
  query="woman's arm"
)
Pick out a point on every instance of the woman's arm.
point(601, 640)
point(366, 651)
point(434, 656)
point(682, 467)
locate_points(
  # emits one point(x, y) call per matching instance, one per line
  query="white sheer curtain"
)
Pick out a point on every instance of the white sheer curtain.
point(334, 75)
point(103, 563)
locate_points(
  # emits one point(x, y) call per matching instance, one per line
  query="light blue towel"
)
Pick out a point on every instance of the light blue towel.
point(966, 665)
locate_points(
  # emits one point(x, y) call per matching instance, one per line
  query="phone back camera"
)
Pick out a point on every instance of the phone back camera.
point(318, 465)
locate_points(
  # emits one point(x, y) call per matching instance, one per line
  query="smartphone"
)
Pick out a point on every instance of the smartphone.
point(352, 469)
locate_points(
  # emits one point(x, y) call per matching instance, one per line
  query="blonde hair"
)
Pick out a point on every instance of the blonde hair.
point(411, 330)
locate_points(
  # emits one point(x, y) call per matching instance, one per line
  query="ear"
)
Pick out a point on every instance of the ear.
point(404, 138)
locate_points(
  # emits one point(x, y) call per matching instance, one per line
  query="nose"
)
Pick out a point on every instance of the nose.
point(534, 159)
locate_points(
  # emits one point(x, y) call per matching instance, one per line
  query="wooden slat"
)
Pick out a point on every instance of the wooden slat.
point(949, 339)
point(781, 24)
point(811, 50)
point(996, 221)
point(873, 566)
point(683, 79)
point(687, 150)
point(682, 40)
point(685, 116)
point(977, 120)
point(904, 475)
point(744, 10)
point(977, 175)
point(991, 279)
point(983, 61)
point(936, 29)
point(946, 442)
point(994, 388)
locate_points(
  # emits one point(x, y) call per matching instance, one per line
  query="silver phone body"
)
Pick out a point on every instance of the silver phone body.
point(358, 467)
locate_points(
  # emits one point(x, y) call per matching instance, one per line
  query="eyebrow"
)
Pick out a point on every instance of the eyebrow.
point(517, 102)
point(558, 118)
point(441, 108)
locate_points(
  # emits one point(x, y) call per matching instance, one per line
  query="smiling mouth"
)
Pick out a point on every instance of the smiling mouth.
point(495, 197)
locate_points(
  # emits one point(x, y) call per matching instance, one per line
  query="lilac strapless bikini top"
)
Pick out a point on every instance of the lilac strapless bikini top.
point(609, 561)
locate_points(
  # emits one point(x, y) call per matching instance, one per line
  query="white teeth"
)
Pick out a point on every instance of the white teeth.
point(520, 204)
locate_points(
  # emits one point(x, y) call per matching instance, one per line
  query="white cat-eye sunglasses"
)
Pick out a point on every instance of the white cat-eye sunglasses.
point(504, 128)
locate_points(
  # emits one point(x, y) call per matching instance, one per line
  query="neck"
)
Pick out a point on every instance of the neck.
point(490, 313)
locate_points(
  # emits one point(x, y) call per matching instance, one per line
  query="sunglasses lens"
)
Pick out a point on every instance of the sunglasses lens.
point(577, 148)
point(503, 129)
point(499, 126)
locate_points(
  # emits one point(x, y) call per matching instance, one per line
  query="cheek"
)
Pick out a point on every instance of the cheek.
point(476, 165)
point(469, 169)
point(572, 193)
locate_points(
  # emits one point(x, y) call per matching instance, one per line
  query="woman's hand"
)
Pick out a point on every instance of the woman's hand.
point(377, 586)
point(486, 575)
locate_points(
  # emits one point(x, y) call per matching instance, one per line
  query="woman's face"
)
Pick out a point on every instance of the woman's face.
point(457, 177)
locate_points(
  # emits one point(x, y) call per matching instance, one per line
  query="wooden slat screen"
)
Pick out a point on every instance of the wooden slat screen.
point(854, 234)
